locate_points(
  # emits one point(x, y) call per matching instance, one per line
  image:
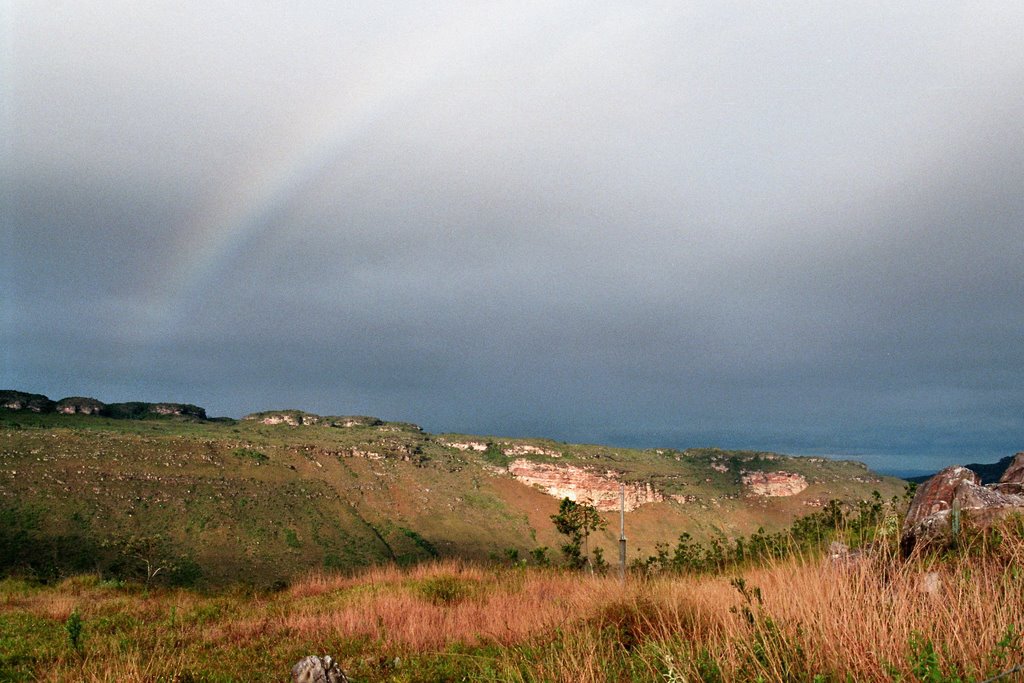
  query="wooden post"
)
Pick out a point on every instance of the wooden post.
point(622, 534)
point(955, 519)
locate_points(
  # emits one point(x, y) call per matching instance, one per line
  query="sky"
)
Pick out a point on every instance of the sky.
point(795, 226)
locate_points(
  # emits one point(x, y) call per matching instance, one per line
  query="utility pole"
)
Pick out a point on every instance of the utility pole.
point(622, 534)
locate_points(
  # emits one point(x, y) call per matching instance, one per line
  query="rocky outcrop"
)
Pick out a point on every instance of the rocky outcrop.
point(1012, 480)
point(958, 491)
point(774, 484)
point(300, 418)
point(315, 669)
point(293, 420)
point(80, 405)
point(582, 485)
point(178, 410)
point(349, 421)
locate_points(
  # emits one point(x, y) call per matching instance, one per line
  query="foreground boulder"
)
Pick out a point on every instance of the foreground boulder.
point(956, 490)
point(315, 669)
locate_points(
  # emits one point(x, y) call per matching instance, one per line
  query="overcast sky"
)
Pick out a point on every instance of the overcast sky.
point(792, 225)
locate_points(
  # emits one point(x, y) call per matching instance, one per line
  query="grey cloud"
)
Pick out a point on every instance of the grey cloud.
point(775, 227)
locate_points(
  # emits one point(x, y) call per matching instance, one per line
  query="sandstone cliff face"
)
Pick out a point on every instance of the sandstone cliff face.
point(583, 486)
point(774, 484)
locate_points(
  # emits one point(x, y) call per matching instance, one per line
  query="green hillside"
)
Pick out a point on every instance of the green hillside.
point(222, 501)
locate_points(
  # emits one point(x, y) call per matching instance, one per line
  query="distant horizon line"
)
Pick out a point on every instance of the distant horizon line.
point(879, 462)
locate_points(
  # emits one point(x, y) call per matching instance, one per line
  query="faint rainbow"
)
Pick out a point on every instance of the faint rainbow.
point(241, 213)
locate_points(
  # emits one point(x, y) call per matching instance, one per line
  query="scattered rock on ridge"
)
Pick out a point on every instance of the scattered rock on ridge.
point(929, 521)
point(478, 446)
point(354, 421)
point(515, 449)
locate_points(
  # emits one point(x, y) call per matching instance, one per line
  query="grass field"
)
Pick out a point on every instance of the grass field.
point(806, 618)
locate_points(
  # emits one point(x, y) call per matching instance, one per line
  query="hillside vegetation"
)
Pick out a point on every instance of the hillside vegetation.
point(170, 497)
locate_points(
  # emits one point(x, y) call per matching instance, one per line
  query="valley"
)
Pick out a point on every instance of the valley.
point(267, 498)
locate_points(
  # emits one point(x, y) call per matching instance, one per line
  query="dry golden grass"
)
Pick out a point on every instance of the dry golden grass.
point(451, 620)
point(869, 620)
point(396, 608)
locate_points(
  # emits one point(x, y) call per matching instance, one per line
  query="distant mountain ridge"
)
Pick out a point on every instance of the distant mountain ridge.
point(990, 473)
point(11, 399)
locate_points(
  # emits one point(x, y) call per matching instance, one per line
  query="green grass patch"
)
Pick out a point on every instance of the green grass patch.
point(446, 590)
point(251, 454)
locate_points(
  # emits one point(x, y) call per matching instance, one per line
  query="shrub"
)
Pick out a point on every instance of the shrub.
point(445, 590)
point(73, 626)
point(251, 454)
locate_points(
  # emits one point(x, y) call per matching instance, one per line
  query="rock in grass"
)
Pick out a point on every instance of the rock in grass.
point(315, 669)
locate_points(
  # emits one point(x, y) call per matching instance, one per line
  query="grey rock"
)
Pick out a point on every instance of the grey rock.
point(930, 584)
point(314, 669)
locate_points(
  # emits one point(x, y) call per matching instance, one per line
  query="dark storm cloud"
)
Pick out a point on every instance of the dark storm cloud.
point(789, 227)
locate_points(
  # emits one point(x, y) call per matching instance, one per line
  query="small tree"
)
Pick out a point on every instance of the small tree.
point(577, 520)
point(148, 555)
